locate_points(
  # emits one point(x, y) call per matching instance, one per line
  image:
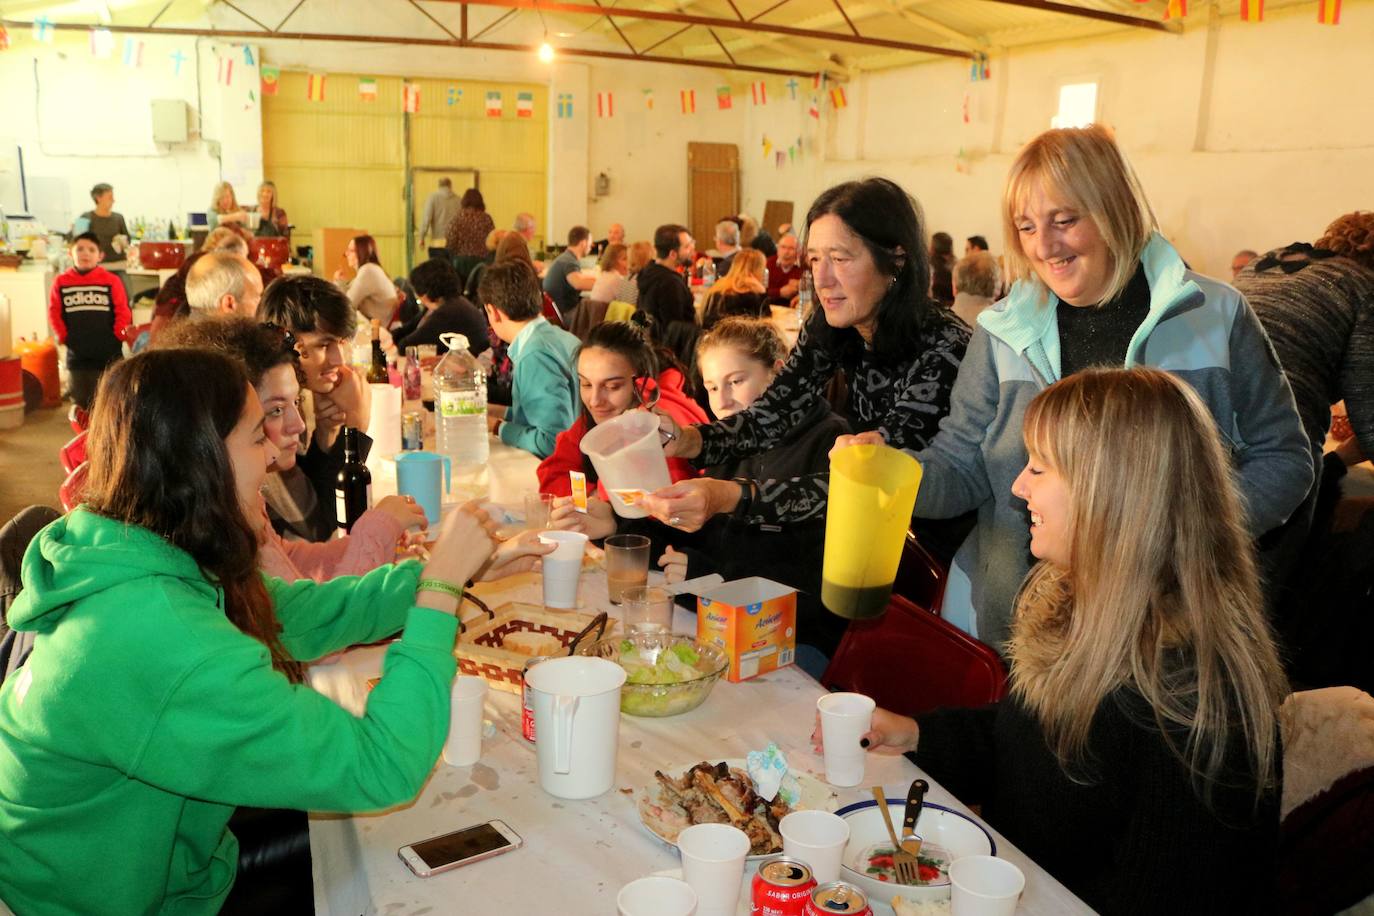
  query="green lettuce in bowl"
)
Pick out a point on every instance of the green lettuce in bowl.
point(665, 674)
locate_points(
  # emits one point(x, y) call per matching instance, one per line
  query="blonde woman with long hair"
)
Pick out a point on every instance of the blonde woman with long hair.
point(1137, 757)
point(224, 207)
point(742, 291)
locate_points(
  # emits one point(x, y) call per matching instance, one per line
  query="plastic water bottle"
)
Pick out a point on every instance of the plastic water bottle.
point(460, 410)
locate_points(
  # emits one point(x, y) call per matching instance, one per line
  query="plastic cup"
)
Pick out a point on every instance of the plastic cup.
point(984, 886)
point(627, 564)
point(464, 744)
point(537, 508)
point(648, 609)
point(845, 718)
point(563, 567)
point(818, 838)
point(656, 896)
point(713, 864)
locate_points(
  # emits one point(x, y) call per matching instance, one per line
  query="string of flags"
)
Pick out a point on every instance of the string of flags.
point(1328, 11)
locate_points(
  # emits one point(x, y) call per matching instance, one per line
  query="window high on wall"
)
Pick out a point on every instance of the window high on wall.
point(1077, 105)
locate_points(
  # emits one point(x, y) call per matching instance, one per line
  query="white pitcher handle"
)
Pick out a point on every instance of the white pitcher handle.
point(563, 708)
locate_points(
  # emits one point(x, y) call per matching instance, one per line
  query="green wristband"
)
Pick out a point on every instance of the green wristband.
point(438, 585)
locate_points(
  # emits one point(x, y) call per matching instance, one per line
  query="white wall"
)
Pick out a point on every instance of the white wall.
point(80, 120)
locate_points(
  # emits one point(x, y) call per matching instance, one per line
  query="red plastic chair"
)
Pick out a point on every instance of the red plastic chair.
point(920, 577)
point(73, 488)
point(79, 418)
point(74, 452)
point(911, 661)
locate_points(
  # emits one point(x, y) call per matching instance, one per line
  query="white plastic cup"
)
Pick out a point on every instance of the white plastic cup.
point(463, 747)
point(656, 896)
point(563, 567)
point(984, 886)
point(845, 718)
point(818, 838)
point(713, 864)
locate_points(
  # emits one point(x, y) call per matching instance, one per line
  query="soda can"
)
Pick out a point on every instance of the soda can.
point(527, 701)
point(782, 887)
point(837, 897)
point(412, 431)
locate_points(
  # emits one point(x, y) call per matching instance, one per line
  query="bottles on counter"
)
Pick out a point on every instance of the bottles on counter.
point(376, 368)
point(353, 484)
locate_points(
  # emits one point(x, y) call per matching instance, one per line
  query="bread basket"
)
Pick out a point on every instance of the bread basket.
point(481, 654)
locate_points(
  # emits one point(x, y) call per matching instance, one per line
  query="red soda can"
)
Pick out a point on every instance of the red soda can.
point(526, 701)
point(837, 897)
point(782, 887)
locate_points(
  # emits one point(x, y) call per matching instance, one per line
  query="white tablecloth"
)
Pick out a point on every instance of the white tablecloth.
point(577, 854)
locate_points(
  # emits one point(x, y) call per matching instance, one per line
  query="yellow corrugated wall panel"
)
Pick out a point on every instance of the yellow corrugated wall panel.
point(341, 161)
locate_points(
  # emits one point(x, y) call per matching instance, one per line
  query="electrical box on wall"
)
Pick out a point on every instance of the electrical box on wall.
point(171, 121)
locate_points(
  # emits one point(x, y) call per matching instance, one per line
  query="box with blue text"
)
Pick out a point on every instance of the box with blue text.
point(754, 621)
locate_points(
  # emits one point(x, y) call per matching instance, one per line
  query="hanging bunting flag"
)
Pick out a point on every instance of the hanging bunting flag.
point(42, 30)
point(792, 153)
point(102, 43)
point(815, 109)
point(493, 104)
point(767, 147)
point(455, 95)
point(759, 91)
point(4, 38)
point(410, 98)
point(818, 81)
point(524, 105)
point(565, 105)
point(1252, 10)
point(314, 87)
point(367, 89)
point(978, 70)
point(723, 98)
point(133, 53)
point(648, 99)
point(178, 57)
point(270, 78)
point(226, 71)
point(605, 105)
point(1329, 12)
point(837, 97)
point(689, 101)
point(792, 86)
point(780, 159)
point(248, 58)
point(1176, 9)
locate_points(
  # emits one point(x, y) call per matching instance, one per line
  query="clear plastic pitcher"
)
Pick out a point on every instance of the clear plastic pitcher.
point(628, 458)
point(872, 492)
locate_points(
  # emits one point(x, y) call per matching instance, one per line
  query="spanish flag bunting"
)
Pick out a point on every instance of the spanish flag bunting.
point(1176, 9)
point(760, 92)
point(367, 89)
point(837, 97)
point(723, 98)
point(410, 98)
point(1252, 10)
point(818, 81)
point(605, 105)
point(1329, 12)
point(689, 101)
point(270, 77)
point(314, 87)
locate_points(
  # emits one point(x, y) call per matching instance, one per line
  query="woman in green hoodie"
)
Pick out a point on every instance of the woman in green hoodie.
point(166, 685)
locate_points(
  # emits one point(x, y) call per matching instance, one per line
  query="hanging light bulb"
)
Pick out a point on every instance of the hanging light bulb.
point(546, 52)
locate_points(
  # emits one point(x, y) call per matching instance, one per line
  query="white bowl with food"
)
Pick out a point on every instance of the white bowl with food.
point(723, 793)
point(946, 835)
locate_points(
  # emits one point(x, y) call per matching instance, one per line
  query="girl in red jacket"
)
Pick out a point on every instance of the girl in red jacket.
point(618, 370)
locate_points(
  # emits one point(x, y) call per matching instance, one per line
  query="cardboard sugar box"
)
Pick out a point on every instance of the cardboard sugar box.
point(754, 620)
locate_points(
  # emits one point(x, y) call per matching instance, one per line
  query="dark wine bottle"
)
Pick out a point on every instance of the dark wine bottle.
point(353, 485)
point(376, 370)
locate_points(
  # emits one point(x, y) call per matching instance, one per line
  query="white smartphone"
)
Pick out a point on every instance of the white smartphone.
point(471, 844)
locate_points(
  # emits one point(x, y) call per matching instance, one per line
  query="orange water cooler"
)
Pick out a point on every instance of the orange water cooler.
point(39, 358)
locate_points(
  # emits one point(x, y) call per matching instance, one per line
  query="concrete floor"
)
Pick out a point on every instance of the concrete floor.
point(30, 469)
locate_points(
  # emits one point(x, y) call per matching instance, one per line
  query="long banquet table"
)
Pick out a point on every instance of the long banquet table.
point(576, 854)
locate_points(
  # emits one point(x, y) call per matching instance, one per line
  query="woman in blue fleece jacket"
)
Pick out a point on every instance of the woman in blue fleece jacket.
point(1095, 284)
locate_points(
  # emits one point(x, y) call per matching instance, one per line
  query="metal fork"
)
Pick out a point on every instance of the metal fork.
point(903, 863)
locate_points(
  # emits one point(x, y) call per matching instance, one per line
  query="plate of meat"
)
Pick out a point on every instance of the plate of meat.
point(723, 793)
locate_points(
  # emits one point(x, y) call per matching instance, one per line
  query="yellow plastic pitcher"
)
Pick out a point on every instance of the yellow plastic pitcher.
point(872, 492)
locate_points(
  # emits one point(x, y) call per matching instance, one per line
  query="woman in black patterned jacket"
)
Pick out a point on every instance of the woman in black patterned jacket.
point(875, 320)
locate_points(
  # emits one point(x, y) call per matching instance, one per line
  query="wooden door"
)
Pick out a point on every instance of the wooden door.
point(712, 188)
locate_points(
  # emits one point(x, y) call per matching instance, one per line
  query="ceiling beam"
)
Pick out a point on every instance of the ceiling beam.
point(267, 35)
point(557, 6)
point(931, 25)
point(1049, 6)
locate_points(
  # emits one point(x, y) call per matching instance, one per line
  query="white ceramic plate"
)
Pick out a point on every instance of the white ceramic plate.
point(815, 795)
point(955, 833)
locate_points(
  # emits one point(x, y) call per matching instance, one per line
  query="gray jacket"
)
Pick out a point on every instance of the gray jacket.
point(1198, 328)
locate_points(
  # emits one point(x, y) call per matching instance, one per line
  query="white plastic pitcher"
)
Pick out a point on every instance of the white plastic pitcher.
point(628, 455)
point(577, 719)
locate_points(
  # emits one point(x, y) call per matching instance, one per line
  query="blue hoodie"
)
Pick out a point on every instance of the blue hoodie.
point(1197, 328)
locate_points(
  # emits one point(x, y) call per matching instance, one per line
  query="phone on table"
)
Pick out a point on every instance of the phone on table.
point(471, 844)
